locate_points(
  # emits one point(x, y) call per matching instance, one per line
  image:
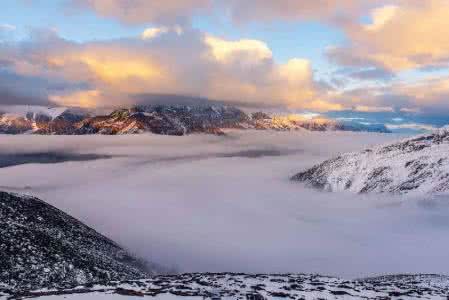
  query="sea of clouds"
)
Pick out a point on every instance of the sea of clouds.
point(207, 203)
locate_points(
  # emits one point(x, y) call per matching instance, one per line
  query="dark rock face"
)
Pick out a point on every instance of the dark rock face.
point(416, 165)
point(65, 123)
point(41, 246)
point(259, 115)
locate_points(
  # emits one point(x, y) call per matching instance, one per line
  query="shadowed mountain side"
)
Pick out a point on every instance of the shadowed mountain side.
point(42, 246)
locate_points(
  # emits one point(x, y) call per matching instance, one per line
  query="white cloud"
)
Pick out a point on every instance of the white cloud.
point(381, 16)
point(364, 108)
point(7, 27)
point(227, 51)
point(153, 32)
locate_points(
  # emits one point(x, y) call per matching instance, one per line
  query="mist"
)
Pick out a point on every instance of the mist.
point(205, 203)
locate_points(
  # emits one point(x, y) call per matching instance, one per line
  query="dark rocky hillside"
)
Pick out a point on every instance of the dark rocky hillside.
point(41, 246)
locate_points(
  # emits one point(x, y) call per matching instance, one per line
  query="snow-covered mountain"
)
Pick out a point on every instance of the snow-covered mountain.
point(163, 119)
point(258, 287)
point(41, 120)
point(40, 246)
point(418, 165)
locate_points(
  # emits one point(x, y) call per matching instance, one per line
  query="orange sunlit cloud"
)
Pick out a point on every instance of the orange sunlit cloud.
point(410, 35)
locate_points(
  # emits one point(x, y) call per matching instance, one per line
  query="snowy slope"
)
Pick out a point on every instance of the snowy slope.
point(240, 286)
point(40, 246)
point(419, 165)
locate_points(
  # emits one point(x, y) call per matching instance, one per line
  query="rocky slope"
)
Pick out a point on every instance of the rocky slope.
point(241, 286)
point(40, 246)
point(164, 119)
point(418, 165)
point(41, 120)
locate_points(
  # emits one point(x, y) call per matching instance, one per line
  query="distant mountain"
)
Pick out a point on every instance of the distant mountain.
point(165, 119)
point(257, 287)
point(418, 165)
point(261, 120)
point(40, 246)
point(41, 120)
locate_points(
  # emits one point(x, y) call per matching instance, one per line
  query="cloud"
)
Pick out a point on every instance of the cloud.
point(7, 27)
point(18, 89)
point(153, 32)
point(88, 98)
point(430, 94)
point(363, 108)
point(371, 74)
point(7, 31)
point(381, 16)
point(181, 11)
point(425, 96)
point(144, 11)
point(409, 35)
point(411, 126)
point(293, 10)
point(233, 213)
point(115, 72)
point(244, 50)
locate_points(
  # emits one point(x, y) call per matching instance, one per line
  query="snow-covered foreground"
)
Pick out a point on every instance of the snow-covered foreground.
point(207, 203)
point(240, 286)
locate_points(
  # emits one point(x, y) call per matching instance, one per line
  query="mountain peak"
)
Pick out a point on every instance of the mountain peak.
point(417, 165)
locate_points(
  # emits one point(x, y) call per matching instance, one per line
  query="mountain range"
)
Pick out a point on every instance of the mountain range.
point(164, 119)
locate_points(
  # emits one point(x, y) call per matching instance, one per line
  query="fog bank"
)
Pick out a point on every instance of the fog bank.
point(206, 203)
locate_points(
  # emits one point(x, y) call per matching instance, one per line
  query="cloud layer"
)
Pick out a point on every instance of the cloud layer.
point(166, 60)
point(176, 11)
point(144, 11)
point(234, 213)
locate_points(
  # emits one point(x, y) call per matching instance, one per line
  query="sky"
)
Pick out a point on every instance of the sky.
point(376, 56)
